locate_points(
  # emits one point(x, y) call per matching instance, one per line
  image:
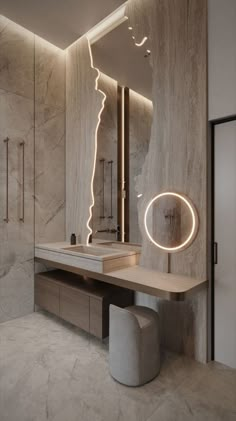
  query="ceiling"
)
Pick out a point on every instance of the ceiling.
point(116, 55)
point(60, 22)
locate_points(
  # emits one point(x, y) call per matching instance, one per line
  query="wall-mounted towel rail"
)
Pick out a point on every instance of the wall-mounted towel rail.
point(111, 212)
point(22, 218)
point(102, 216)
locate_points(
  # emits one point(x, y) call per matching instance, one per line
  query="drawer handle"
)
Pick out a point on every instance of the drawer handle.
point(215, 253)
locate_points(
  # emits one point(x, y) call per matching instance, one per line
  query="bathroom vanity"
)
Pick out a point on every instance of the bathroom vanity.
point(117, 266)
point(91, 277)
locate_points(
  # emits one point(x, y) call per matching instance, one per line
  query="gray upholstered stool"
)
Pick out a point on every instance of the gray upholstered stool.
point(134, 345)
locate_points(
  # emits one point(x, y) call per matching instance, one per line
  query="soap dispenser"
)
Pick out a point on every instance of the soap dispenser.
point(73, 239)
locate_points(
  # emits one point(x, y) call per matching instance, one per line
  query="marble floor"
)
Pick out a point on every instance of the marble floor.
point(50, 370)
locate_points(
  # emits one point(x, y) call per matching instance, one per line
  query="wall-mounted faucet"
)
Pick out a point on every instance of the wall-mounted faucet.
point(108, 231)
point(170, 215)
point(111, 231)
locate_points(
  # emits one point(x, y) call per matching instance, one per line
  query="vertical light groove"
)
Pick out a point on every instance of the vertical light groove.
point(96, 140)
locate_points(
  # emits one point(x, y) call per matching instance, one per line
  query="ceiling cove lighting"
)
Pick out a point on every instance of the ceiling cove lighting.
point(96, 141)
point(107, 25)
point(139, 44)
point(194, 218)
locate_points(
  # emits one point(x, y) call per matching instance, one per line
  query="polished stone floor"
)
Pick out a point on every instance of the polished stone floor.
point(50, 370)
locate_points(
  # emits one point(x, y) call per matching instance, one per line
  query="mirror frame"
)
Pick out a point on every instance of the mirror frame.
point(194, 216)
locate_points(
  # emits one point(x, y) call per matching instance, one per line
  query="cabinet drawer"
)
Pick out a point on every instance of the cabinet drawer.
point(98, 323)
point(74, 307)
point(47, 295)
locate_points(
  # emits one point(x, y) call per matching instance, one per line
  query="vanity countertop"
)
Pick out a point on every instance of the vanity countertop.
point(137, 278)
point(164, 285)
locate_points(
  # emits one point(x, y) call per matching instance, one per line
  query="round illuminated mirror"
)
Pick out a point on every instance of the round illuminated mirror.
point(171, 221)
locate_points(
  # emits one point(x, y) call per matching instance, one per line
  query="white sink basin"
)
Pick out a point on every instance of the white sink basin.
point(91, 251)
point(86, 257)
point(121, 246)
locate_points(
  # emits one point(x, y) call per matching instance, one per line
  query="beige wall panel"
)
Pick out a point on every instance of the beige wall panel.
point(84, 104)
point(176, 160)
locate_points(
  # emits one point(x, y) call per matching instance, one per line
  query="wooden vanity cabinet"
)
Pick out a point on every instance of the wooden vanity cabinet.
point(74, 307)
point(84, 303)
point(46, 294)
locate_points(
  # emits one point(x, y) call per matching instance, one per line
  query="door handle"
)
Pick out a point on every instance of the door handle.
point(215, 253)
point(22, 218)
point(6, 219)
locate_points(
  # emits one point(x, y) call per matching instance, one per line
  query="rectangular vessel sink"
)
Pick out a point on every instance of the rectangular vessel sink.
point(92, 251)
point(86, 257)
point(121, 246)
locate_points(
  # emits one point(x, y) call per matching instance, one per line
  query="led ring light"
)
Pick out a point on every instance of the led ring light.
point(194, 218)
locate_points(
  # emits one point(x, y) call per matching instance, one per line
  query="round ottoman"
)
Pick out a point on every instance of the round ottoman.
point(134, 345)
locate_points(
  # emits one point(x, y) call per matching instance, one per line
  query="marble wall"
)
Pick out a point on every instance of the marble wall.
point(107, 151)
point(31, 111)
point(17, 123)
point(177, 37)
point(16, 59)
point(49, 142)
point(140, 124)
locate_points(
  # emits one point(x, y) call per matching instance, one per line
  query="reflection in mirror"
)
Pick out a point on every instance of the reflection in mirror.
point(140, 122)
point(123, 134)
point(171, 222)
point(105, 214)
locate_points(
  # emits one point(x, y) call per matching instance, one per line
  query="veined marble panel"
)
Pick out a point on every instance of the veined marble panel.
point(140, 124)
point(49, 74)
point(49, 174)
point(49, 144)
point(83, 107)
point(177, 154)
point(16, 58)
point(107, 151)
point(20, 50)
point(17, 238)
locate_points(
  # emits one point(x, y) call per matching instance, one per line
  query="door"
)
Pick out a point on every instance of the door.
point(225, 237)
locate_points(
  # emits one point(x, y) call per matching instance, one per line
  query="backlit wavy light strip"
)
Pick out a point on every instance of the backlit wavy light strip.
point(96, 140)
point(141, 43)
point(30, 34)
point(138, 44)
point(193, 215)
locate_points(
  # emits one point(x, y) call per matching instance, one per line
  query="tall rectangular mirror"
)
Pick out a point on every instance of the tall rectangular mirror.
point(123, 134)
